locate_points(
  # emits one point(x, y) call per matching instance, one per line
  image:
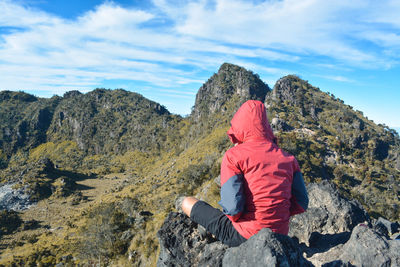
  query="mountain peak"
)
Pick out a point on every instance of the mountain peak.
point(289, 87)
point(231, 84)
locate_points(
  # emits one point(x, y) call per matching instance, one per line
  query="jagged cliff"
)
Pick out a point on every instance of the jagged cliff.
point(101, 121)
point(143, 157)
point(231, 86)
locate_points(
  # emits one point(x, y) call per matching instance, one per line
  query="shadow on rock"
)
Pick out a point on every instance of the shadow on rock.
point(320, 243)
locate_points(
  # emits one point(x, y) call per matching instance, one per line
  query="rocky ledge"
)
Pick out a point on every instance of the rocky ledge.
point(333, 232)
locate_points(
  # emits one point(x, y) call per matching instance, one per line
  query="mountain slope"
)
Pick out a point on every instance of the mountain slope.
point(162, 156)
point(334, 142)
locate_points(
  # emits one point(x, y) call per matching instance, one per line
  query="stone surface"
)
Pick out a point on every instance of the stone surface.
point(182, 245)
point(391, 227)
point(365, 247)
point(330, 232)
point(14, 199)
point(229, 81)
point(266, 249)
point(278, 124)
point(328, 213)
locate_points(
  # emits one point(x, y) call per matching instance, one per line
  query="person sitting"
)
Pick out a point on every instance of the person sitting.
point(261, 185)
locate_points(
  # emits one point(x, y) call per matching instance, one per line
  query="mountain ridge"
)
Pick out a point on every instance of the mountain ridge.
point(164, 155)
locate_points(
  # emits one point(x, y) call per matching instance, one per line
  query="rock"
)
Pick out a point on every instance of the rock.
point(266, 249)
point(127, 235)
point(280, 125)
point(178, 203)
point(182, 245)
point(330, 232)
point(230, 80)
point(212, 254)
point(358, 124)
point(391, 227)
point(14, 199)
point(71, 94)
point(328, 213)
point(366, 247)
point(284, 90)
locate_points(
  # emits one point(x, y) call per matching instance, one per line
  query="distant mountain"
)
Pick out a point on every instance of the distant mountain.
point(101, 121)
point(87, 136)
point(334, 142)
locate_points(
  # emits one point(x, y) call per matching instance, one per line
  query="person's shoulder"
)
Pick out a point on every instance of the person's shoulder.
point(235, 150)
point(286, 154)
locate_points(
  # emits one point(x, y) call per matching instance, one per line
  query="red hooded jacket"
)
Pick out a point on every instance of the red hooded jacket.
point(261, 185)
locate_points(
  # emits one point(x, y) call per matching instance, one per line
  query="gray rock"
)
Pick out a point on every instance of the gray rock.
point(212, 254)
point(178, 203)
point(14, 199)
point(231, 80)
point(182, 245)
point(278, 124)
point(328, 213)
point(330, 232)
point(366, 247)
point(266, 249)
point(391, 227)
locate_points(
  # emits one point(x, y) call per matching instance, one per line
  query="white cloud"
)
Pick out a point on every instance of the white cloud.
point(115, 43)
point(14, 15)
point(338, 78)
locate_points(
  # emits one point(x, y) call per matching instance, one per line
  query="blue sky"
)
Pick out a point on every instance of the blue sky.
point(165, 50)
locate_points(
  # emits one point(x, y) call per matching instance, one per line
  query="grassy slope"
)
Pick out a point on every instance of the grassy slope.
point(155, 179)
point(161, 181)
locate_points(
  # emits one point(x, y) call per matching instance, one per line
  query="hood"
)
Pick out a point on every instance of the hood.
point(250, 122)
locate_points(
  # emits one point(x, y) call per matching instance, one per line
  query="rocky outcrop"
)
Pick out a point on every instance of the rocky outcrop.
point(278, 124)
point(333, 232)
point(328, 214)
point(104, 121)
point(14, 199)
point(266, 249)
point(182, 244)
point(290, 89)
point(231, 80)
point(366, 247)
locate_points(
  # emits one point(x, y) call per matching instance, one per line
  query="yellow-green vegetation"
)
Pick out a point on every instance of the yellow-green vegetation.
point(332, 141)
point(106, 167)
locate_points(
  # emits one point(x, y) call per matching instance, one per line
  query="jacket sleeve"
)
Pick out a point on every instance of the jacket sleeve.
point(232, 194)
point(299, 200)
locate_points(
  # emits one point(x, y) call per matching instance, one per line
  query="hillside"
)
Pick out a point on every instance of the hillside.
point(65, 151)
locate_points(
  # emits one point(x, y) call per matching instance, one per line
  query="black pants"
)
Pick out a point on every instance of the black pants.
point(216, 223)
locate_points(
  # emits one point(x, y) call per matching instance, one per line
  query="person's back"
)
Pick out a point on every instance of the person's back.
point(267, 182)
point(261, 185)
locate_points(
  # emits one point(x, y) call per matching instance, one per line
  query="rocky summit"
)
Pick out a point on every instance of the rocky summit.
point(334, 231)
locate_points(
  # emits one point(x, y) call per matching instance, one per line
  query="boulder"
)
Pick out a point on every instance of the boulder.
point(366, 247)
point(330, 232)
point(181, 244)
point(392, 227)
point(278, 124)
point(328, 214)
point(266, 249)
